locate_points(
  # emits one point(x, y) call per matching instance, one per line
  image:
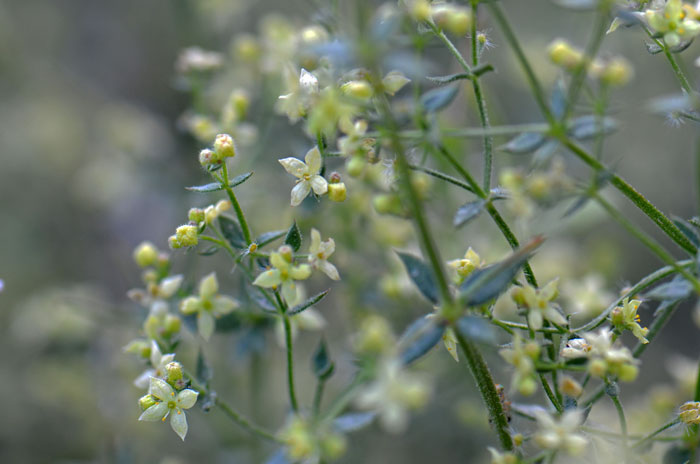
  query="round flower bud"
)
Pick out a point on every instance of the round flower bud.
point(222, 205)
point(617, 72)
point(527, 386)
point(145, 254)
point(419, 10)
point(598, 368)
point(173, 242)
point(173, 372)
point(240, 103)
point(207, 157)
point(246, 48)
point(357, 89)
point(532, 349)
point(223, 146)
point(147, 401)
point(375, 336)
point(394, 81)
point(187, 235)
point(190, 305)
point(196, 215)
point(337, 192)
point(210, 214)
point(286, 252)
point(570, 387)
point(562, 54)
point(355, 166)
point(628, 373)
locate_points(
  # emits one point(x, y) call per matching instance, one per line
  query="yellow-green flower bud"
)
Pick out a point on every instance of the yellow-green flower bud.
point(173, 372)
point(224, 147)
point(286, 252)
point(564, 55)
point(145, 254)
point(187, 235)
point(357, 89)
point(246, 48)
point(337, 192)
point(532, 349)
point(617, 72)
point(628, 373)
point(355, 166)
point(334, 446)
point(570, 387)
point(139, 347)
point(454, 19)
point(207, 157)
point(240, 102)
point(196, 215)
point(171, 326)
point(147, 401)
point(690, 413)
point(598, 368)
point(419, 9)
point(222, 205)
point(527, 386)
point(190, 305)
point(388, 203)
point(375, 336)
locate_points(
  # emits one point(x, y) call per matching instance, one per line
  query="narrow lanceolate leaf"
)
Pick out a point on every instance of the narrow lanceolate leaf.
point(308, 303)
point(321, 363)
point(293, 238)
point(485, 284)
point(421, 275)
point(442, 80)
point(257, 297)
point(216, 186)
point(437, 99)
point(467, 212)
point(232, 232)
point(689, 230)
point(476, 329)
point(419, 338)
point(590, 126)
point(269, 237)
point(675, 290)
point(353, 421)
point(527, 142)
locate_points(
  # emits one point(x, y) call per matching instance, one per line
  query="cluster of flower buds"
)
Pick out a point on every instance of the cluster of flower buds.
point(605, 358)
point(224, 147)
point(522, 355)
point(455, 19)
point(615, 71)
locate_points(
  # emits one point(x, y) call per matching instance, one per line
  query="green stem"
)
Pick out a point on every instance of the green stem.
point(656, 432)
point(442, 176)
point(649, 242)
point(682, 79)
point(550, 394)
point(637, 198)
point(236, 206)
point(318, 396)
point(487, 388)
point(234, 415)
point(290, 353)
point(623, 422)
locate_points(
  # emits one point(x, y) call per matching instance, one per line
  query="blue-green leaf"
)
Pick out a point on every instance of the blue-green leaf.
point(216, 186)
point(676, 289)
point(476, 329)
point(321, 363)
point(419, 338)
point(293, 238)
point(269, 237)
point(437, 99)
point(590, 126)
point(527, 142)
point(232, 232)
point(467, 212)
point(308, 303)
point(421, 275)
point(485, 284)
point(442, 80)
point(354, 421)
point(689, 230)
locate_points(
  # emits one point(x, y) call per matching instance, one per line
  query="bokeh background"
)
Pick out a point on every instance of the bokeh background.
point(93, 161)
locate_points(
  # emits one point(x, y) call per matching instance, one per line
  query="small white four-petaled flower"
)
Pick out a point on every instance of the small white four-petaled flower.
point(169, 403)
point(308, 174)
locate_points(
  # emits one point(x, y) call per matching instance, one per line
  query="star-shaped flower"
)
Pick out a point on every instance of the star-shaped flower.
point(676, 22)
point(319, 252)
point(283, 274)
point(539, 303)
point(169, 403)
point(561, 434)
point(208, 305)
point(626, 317)
point(308, 174)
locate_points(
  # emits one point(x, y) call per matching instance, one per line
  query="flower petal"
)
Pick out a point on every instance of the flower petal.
point(295, 167)
point(328, 269)
point(205, 324)
point(300, 272)
point(155, 354)
point(319, 184)
point(534, 317)
point(313, 160)
point(144, 380)
point(268, 279)
point(155, 412)
point(160, 389)
point(328, 247)
point(178, 422)
point(289, 291)
point(169, 286)
point(186, 398)
point(315, 246)
point(223, 305)
point(208, 286)
point(300, 191)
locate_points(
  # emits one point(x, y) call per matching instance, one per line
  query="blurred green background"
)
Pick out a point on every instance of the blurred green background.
point(93, 163)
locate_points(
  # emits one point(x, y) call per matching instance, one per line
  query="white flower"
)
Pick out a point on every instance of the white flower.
point(319, 252)
point(283, 274)
point(153, 297)
point(169, 403)
point(561, 434)
point(208, 305)
point(158, 363)
point(301, 92)
point(576, 348)
point(392, 393)
point(308, 175)
point(539, 303)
